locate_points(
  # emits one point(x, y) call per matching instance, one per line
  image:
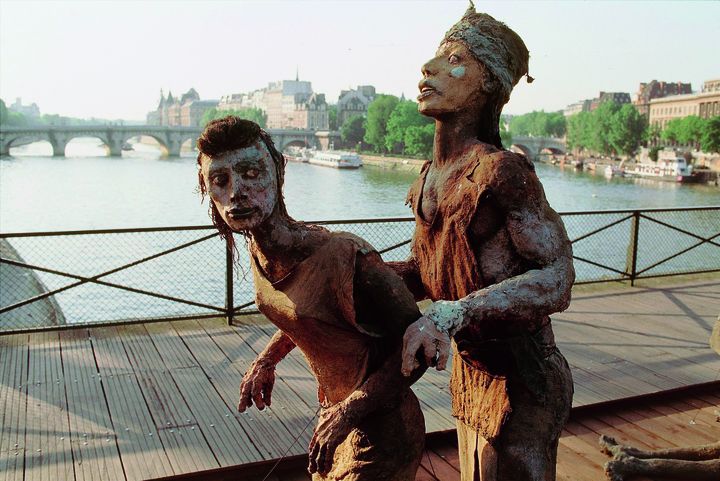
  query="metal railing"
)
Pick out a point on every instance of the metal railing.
point(52, 280)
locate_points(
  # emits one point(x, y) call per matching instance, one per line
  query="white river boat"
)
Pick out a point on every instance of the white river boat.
point(335, 158)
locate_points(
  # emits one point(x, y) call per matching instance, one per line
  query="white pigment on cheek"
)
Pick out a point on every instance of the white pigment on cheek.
point(458, 72)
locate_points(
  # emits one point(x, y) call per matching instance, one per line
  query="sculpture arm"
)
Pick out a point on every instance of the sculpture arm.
point(409, 271)
point(538, 236)
point(257, 383)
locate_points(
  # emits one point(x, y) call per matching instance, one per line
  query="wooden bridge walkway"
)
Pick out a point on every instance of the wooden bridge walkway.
point(156, 400)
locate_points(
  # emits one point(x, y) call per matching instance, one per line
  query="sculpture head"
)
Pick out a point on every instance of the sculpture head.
point(243, 174)
point(478, 63)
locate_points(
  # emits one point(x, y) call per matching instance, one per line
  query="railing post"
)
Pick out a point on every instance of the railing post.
point(631, 263)
point(229, 302)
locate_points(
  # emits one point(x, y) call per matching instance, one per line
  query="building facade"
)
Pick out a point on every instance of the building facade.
point(352, 103)
point(31, 110)
point(704, 104)
point(577, 107)
point(656, 90)
point(615, 97)
point(186, 110)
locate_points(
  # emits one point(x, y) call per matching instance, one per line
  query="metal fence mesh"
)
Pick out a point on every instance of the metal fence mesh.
point(111, 276)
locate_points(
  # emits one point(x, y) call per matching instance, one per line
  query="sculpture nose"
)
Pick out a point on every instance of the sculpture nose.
point(238, 192)
point(430, 68)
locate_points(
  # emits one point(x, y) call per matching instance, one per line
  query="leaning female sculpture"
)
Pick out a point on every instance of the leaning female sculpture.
point(331, 296)
point(494, 257)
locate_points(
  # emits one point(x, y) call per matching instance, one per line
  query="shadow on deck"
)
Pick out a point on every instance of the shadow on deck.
point(157, 400)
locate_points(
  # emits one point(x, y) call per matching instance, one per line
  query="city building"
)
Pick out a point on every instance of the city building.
point(352, 103)
point(577, 107)
point(656, 90)
point(615, 97)
point(704, 104)
point(288, 104)
point(186, 110)
point(31, 110)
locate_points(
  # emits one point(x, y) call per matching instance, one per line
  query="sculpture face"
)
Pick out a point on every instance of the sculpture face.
point(452, 82)
point(242, 185)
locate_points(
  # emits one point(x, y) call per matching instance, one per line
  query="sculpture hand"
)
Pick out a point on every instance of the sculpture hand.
point(332, 429)
point(257, 385)
point(435, 344)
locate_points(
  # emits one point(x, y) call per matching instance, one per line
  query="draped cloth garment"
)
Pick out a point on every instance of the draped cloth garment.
point(314, 305)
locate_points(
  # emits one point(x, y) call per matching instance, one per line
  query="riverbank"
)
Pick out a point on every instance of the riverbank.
point(393, 163)
point(19, 284)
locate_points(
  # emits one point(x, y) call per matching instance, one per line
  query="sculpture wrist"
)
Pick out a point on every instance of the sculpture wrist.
point(448, 316)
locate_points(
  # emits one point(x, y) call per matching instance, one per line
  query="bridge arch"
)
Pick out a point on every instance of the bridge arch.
point(8, 142)
point(524, 150)
point(302, 143)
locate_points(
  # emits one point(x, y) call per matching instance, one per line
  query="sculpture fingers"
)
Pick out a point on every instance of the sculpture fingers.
point(443, 355)
point(257, 396)
point(430, 348)
point(267, 392)
point(411, 345)
point(245, 397)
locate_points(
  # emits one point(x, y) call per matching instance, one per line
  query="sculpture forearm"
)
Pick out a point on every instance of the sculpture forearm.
point(277, 348)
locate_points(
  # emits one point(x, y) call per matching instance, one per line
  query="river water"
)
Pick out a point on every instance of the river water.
point(87, 190)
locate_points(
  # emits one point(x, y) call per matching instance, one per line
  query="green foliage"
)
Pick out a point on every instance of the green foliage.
point(505, 135)
point(11, 118)
point(671, 132)
point(653, 154)
point(710, 138)
point(404, 115)
point(256, 115)
point(332, 117)
point(627, 130)
point(378, 115)
point(610, 129)
point(418, 140)
point(352, 130)
point(538, 124)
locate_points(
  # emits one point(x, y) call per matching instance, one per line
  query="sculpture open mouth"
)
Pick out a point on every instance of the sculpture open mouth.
point(426, 92)
point(238, 213)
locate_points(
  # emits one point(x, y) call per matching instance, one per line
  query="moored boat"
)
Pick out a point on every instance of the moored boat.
point(335, 158)
point(673, 170)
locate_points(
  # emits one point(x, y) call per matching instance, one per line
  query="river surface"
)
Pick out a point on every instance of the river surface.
point(87, 190)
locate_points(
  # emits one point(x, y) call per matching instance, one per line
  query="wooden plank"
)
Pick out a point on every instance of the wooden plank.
point(141, 446)
point(13, 405)
point(94, 448)
point(47, 429)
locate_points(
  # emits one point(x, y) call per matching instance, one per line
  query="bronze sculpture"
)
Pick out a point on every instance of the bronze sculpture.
point(332, 297)
point(494, 257)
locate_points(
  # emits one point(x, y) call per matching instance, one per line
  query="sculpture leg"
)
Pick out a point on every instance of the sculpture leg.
point(624, 467)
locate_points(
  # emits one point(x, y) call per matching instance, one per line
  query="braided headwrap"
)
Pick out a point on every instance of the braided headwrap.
point(493, 44)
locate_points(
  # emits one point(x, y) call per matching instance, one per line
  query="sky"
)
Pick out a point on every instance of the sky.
point(109, 59)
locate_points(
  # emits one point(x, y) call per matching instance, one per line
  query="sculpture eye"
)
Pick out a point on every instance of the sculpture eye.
point(219, 180)
point(252, 173)
point(454, 59)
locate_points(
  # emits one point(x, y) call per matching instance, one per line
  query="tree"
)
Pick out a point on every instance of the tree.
point(579, 132)
point(538, 124)
point(404, 115)
point(690, 130)
point(627, 129)
point(601, 121)
point(505, 135)
point(352, 130)
point(378, 114)
point(710, 139)
point(419, 140)
point(332, 117)
point(671, 132)
point(256, 115)
point(10, 117)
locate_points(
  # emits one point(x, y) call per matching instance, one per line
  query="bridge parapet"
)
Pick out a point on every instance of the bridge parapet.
point(170, 138)
point(532, 146)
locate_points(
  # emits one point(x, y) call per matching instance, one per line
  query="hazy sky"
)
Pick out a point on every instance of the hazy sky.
point(111, 58)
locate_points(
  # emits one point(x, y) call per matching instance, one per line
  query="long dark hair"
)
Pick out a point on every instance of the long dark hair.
point(231, 133)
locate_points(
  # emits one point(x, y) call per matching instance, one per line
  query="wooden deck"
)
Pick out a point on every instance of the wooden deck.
point(155, 400)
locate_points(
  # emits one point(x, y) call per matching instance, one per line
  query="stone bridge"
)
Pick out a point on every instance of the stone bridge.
point(169, 138)
point(533, 146)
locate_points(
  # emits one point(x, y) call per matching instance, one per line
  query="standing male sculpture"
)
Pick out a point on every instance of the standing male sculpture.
point(494, 257)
